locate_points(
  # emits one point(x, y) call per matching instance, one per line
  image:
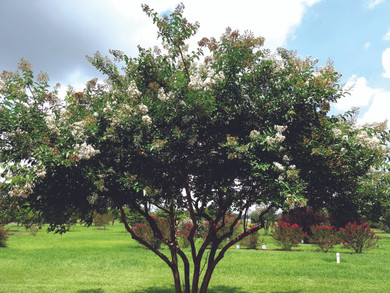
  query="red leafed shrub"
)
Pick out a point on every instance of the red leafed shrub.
point(144, 231)
point(223, 228)
point(287, 235)
point(305, 217)
point(183, 230)
point(325, 237)
point(358, 237)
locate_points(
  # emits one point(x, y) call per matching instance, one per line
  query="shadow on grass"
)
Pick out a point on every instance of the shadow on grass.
point(225, 289)
point(229, 289)
point(156, 290)
point(214, 289)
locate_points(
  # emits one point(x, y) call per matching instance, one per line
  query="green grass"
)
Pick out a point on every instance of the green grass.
point(91, 260)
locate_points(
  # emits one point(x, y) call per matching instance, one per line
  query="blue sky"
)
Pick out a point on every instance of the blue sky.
point(55, 36)
point(355, 35)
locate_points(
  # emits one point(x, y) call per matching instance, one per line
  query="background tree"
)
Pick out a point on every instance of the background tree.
point(269, 219)
point(209, 138)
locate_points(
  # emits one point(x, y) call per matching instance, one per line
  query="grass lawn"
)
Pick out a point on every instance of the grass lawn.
point(92, 260)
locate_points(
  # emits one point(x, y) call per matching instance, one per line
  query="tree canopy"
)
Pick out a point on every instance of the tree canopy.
point(211, 132)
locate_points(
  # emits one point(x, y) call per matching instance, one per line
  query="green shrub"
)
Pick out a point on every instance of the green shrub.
point(144, 231)
point(251, 241)
point(287, 235)
point(3, 236)
point(358, 237)
point(34, 229)
point(102, 220)
point(325, 237)
point(385, 221)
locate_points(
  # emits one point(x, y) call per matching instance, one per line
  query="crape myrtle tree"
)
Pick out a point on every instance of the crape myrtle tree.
point(175, 130)
point(355, 184)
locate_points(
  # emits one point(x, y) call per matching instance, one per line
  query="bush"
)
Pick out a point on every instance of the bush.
point(223, 229)
point(144, 231)
point(183, 230)
point(33, 230)
point(385, 221)
point(358, 237)
point(305, 217)
point(3, 236)
point(251, 241)
point(325, 237)
point(287, 235)
point(102, 220)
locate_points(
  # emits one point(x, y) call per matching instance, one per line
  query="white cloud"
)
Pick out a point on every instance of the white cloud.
point(386, 62)
point(374, 3)
point(366, 45)
point(274, 20)
point(386, 37)
point(360, 94)
point(379, 109)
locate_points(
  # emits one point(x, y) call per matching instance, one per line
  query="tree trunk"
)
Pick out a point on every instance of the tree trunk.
point(186, 263)
point(195, 278)
point(206, 279)
point(176, 278)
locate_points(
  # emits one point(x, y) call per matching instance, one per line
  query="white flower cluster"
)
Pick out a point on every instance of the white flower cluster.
point(280, 128)
point(107, 108)
point(22, 191)
point(147, 120)
point(41, 173)
point(133, 90)
point(51, 123)
point(123, 114)
point(78, 129)
point(143, 108)
point(365, 140)
point(336, 131)
point(279, 166)
point(198, 82)
point(85, 151)
point(279, 137)
point(162, 96)
point(254, 134)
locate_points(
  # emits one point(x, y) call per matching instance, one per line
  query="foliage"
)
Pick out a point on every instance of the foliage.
point(359, 237)
point(102, 220)
point(251, 241)
point(325, 237)
point(269, 218)
point(183, 231)
point(224, 228)
point(287, 235)
point(385, 220)
point(33, 229)
point(230, 123)
point(351, 176)
point(145, 232)
point(3, 236)
point(305, 217)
